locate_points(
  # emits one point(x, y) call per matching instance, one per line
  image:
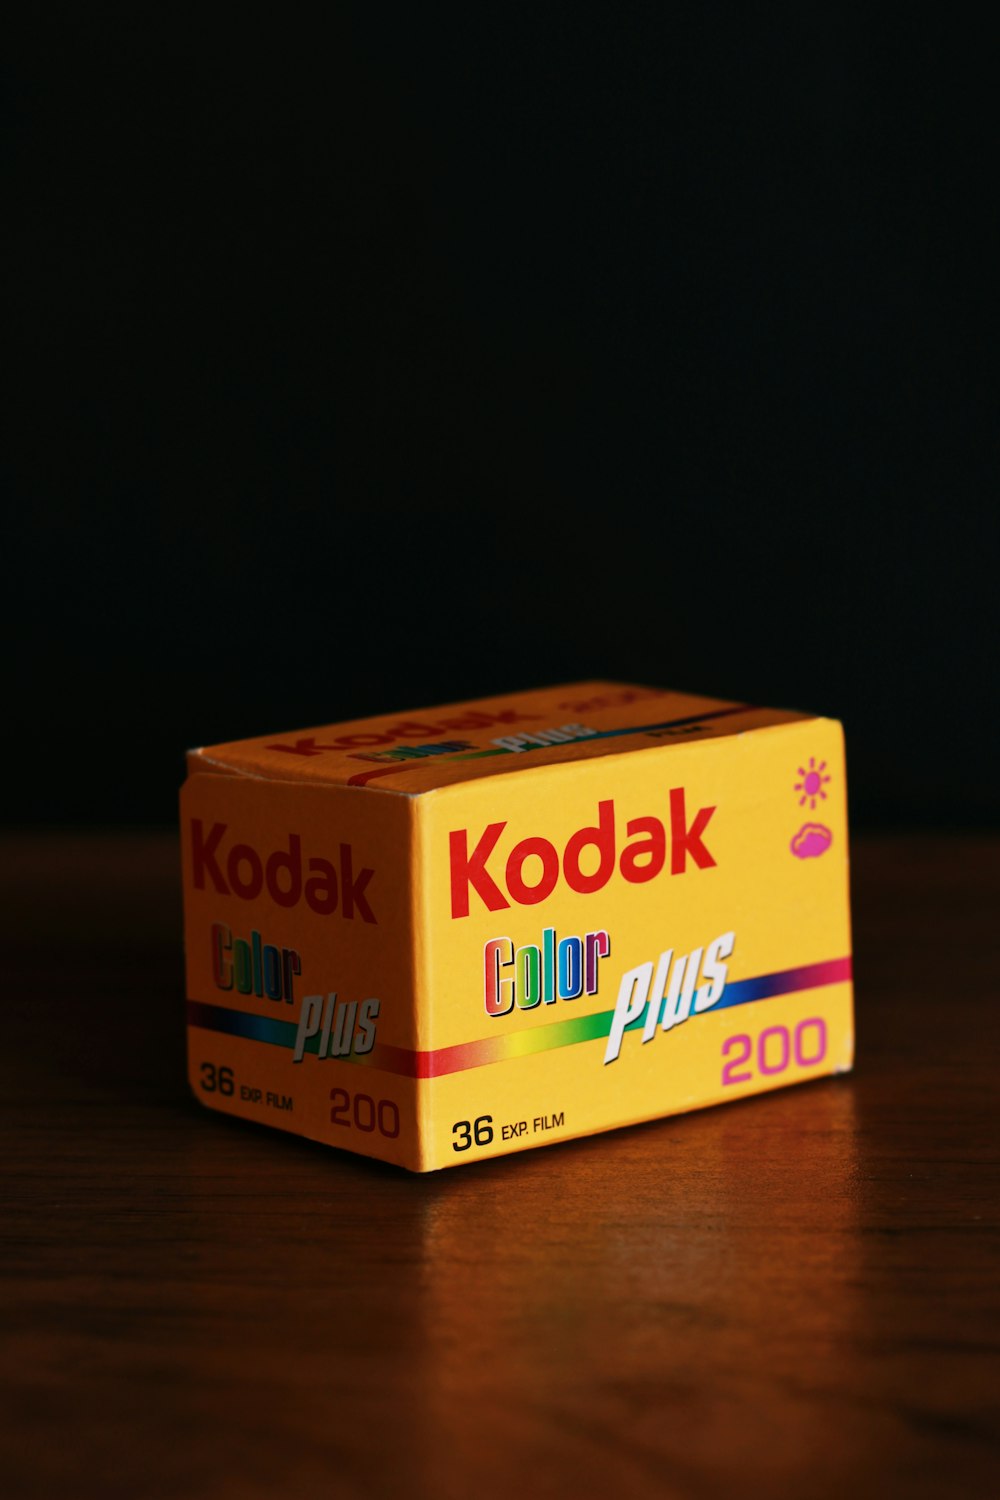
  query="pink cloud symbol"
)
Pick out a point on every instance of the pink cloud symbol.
point(812, 840)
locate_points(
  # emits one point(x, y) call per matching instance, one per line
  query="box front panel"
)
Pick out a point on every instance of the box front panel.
point(618, 940)
point(298, 949)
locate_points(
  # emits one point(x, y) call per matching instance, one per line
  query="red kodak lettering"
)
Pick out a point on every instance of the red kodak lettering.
point(470, 870)
point(203, 855)
point(523, 893)
point(653, 847)
point(306, 746)
point(322, 887)
point(642, 858)
point(411, 729)
point(290, 862)
point(287, 878)
point(243, 857)
point(685, 840)
point(352, 887)
point(408, 729)
point(602, 838)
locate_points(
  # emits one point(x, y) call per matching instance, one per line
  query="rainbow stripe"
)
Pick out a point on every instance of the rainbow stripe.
point(614, 734)
point(361, 778)
point(414, 1064)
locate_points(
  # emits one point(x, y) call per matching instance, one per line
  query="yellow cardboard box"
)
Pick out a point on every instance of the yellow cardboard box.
point(444, 935)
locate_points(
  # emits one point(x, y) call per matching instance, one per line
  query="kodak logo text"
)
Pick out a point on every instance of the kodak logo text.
point(407, 729)
point(241, 870)
point(478, 868)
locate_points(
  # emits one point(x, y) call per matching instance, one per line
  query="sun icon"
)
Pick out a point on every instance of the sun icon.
point(812, 783)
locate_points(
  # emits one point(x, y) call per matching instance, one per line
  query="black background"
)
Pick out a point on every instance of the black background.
point(450, 351)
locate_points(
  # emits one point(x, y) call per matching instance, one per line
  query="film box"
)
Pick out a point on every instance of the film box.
point(440, 936)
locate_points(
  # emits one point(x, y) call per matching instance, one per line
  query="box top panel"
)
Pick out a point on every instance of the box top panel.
point(423, 750)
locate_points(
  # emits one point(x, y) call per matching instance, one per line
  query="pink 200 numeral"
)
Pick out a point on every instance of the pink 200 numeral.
point(729, 1073)
point(775, 1048)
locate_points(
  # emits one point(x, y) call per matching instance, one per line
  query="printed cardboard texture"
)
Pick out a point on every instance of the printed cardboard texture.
point(445, 935)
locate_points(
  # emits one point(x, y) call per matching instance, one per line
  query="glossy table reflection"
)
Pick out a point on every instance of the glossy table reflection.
point(795, 1295)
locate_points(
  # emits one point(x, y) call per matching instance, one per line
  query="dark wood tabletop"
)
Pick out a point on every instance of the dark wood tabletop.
point(796, 1295)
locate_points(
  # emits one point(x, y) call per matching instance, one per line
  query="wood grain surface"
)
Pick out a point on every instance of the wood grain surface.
point(796, 1295)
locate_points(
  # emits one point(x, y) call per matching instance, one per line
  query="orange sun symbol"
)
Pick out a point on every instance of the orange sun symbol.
point(812, 783)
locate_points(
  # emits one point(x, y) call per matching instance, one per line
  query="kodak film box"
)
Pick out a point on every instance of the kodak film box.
point(440, 936)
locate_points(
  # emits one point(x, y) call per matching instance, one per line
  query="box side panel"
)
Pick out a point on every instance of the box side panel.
point(612, 942)
point(297, 918)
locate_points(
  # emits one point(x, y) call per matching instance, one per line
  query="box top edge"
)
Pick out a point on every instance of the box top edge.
point(488, 738)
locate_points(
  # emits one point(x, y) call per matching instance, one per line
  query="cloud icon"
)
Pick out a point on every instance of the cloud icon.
point(812, 840)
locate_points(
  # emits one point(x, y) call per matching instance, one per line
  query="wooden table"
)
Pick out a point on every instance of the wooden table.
point(791, 1296)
